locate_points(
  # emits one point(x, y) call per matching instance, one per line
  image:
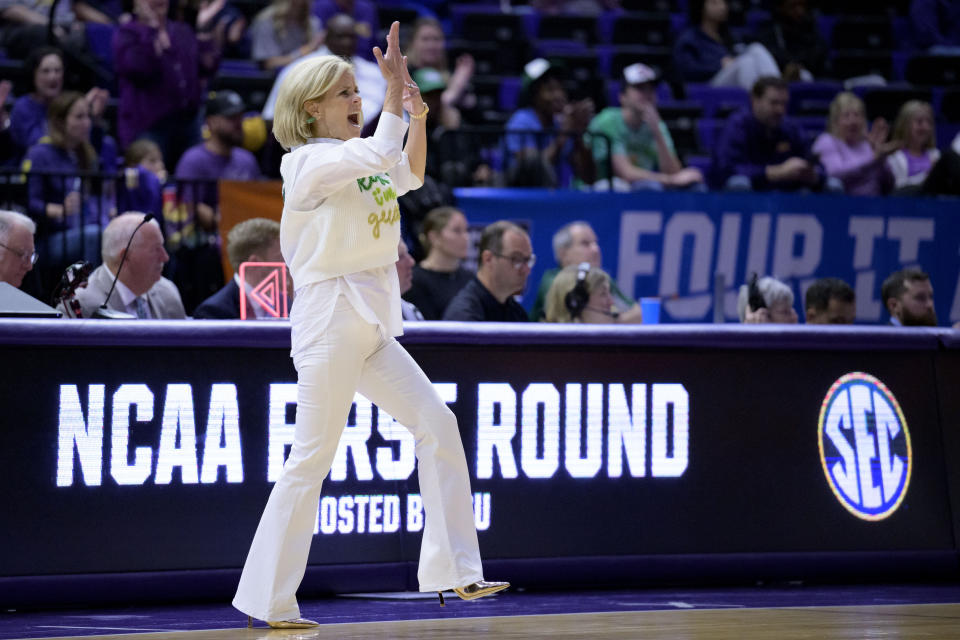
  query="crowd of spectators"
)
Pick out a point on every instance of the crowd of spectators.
point(132, 88)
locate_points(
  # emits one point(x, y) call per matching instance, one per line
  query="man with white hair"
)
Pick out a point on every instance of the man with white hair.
point(141, 289)
point(17, 255)
point(777, 305)
point(573, 244)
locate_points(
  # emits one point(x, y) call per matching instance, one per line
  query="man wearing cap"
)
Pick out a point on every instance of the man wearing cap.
point(633, 142)
point(197, 268)
point(455, 159)
point(219, 157)
point(432, 85)
point(552, 152)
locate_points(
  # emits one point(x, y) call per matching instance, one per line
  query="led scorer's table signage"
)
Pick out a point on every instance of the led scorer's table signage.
point(600, 437)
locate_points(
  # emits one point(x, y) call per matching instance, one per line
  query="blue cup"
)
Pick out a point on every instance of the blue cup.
point(651, 310)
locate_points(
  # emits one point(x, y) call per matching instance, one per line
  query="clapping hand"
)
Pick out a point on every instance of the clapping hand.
point(878, 138)
point(97, 99)
point(393, 64)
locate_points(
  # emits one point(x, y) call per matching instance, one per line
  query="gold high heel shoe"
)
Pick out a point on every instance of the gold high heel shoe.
point(296, 623)
point(476, 590)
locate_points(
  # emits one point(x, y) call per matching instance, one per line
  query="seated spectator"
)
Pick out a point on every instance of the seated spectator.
point(144, 179)
point(253, 240)
point(195, 241)
point(224, 24)
point(405, 265)
point(851, 153)
point(439, 277)
point(428, 49)
point(936, 25)
point(454, 159)
point(581, 294)
point(830, 301)
point(506, 258)
point(777, 301)
point(141, 291)
point(635, 142)
point(17, 254)
point(551, 150)
point(220, 157)
point(703, 52)
point(341, 40)
point(575, 243)
point(161, 70)
point(28, 119)
point(70, 210)
point(908, 297)
point(794, 40)
point(363, 17)
point(283, 32)
point(913, 130)
point(762, 149)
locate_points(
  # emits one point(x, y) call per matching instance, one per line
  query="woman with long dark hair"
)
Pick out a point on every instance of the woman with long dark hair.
point(69, 205)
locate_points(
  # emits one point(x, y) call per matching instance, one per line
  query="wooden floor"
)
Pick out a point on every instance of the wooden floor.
point(893, 622)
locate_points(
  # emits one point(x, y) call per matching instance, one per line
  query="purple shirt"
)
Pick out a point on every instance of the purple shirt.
point(28, 122)
point(199, 163)
point(917, 164)
point(746, 147)
point(855, 165)
point(151, 86)
point(41, 190)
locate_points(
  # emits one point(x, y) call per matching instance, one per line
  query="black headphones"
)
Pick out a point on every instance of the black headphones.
point(577, 298)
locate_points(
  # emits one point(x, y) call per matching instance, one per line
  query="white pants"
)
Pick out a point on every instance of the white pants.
point(756, 61)
point(355, 355)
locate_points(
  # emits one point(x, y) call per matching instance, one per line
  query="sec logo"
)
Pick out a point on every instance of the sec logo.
point(864, 446)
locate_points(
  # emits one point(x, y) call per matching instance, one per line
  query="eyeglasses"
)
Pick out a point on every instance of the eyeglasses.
point(519, 262)
point(32, 257)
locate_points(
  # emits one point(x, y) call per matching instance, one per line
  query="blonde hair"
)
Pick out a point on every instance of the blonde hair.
point(907, 113)
point(308, 80)
point(555, 305)
point(843, 101)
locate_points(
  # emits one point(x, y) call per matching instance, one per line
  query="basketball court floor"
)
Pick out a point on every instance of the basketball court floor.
point(778, 612)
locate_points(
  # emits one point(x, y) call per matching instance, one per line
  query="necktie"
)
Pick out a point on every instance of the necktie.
point(142, 310)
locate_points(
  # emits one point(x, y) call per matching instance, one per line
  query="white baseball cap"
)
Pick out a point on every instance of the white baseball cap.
point(639, 73)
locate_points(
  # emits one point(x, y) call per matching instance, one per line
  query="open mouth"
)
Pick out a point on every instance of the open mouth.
point(355, 119)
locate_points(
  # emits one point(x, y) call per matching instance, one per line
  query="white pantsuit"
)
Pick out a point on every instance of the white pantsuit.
point(339, 234)
point(356, 356)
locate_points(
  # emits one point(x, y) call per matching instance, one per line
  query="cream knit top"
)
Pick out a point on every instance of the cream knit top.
point(341, 226)
point(340, 212)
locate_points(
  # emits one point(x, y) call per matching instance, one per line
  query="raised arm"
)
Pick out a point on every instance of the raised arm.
point(402, 92)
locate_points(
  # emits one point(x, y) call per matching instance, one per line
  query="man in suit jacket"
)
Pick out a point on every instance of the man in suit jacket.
point(253, 240)
point(141, 291)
